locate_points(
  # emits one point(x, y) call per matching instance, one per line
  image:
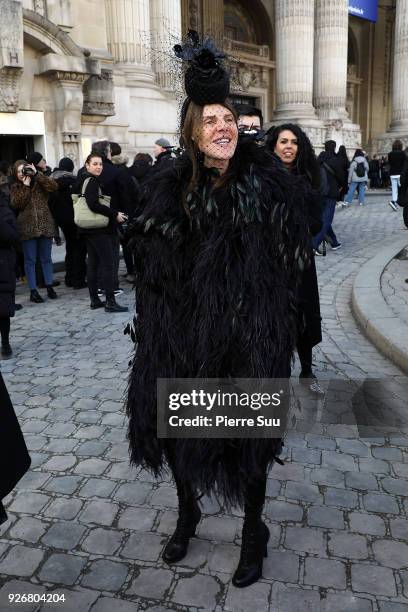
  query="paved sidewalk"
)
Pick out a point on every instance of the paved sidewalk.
point(394, 287)
point(84, 524)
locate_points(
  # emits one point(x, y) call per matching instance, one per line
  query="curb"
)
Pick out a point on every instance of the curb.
point(385, 330)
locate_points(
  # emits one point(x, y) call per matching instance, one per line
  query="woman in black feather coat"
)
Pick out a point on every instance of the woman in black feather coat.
point(219, 247)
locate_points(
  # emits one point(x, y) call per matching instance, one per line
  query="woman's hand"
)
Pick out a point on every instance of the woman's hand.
point(121, 217)
point(27, 181)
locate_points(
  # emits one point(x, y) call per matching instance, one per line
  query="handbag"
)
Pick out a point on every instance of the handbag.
point(84, 217)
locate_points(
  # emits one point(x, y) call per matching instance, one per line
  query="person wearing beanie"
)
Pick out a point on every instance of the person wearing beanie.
point(221, 244)
point(39, 162)
point(162, 153)
point(61, 207)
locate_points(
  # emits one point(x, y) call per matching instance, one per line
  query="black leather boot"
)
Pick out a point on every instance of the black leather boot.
point(51, 293)
point(255, 536)
point(35, 296)
point(253, 550)
point(189, 517)
point(112, 305)
point(96, 303)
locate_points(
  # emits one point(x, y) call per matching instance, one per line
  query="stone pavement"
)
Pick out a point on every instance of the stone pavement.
point(84, 524)
point(394, 288)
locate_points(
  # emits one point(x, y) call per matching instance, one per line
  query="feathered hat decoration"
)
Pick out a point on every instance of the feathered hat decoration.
point(206, 80)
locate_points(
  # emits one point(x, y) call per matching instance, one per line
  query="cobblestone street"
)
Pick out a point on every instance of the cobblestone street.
point(84, 524)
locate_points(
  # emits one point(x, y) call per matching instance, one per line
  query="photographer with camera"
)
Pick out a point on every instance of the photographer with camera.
point(29, 197)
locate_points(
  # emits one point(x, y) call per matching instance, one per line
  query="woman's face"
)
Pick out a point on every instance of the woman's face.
point(95, 166)
point(20, 174)
point(218, 135)
point(286, 147)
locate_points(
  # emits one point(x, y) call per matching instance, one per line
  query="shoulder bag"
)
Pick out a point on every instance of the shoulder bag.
point(84, 217)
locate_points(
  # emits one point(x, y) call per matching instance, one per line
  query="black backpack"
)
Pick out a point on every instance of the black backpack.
point(360, 169)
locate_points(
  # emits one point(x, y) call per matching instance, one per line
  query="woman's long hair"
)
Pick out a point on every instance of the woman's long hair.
point(16, 165)
point(191, 124)
point(306, 163)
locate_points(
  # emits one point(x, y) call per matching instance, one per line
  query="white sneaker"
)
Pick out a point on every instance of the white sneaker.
point(118, 292)
point(345, 204)
point(393, 205)
point(361, 203)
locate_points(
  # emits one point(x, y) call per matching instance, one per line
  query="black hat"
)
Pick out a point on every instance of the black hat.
point(206, 80)
point(34, 158)
point(66, 164)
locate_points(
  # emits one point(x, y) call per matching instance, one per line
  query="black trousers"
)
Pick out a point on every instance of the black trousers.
point(75, 256)
point(101, 262)
point(5, 330)
point(128, 257)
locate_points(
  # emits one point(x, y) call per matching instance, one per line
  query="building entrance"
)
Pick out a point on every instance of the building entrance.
point(14, 147)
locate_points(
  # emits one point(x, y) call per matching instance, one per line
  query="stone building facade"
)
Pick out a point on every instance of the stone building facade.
point(75, 71)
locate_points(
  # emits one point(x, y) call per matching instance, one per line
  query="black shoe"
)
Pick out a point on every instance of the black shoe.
point(6, 351)
point(112, 306)
point(80, 286)
point(18, 307)
point(309, 380)
point(51, 293)
point(68, 283)
point(35, 296)
point(176, 548)
point(97, 303)
point(253, 550)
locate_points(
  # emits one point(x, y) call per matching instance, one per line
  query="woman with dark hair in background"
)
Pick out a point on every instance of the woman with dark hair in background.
point(219, 246)
point(293, 148)
point(98, 240)
point(345, 164)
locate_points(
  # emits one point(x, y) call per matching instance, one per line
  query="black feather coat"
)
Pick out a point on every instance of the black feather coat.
point(216, 297)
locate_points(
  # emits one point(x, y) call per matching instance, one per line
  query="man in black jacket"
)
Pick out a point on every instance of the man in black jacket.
point(61, 207)
point(332, 182)
point(162, 153)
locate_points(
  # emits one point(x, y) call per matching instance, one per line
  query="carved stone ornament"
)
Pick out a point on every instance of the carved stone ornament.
point(73, 77)
point(40, 7)
point(337, 124)
point(98, 95)
point(9, 89)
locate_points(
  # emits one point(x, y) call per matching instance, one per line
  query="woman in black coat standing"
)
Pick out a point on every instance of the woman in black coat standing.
point(98, 240)
point(9, 238)
point(293, 148)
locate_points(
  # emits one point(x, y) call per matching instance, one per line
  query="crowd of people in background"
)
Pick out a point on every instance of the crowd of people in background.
point(36, 207)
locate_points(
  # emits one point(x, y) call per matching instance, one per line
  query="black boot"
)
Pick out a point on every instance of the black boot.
point(51, 293)
point(6, 350)
point(189, 517)
point(96, 303)
point(112, 305)
point(35, 296)
point(255, 536)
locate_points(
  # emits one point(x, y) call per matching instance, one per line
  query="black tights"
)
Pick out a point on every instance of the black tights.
point(5, 330)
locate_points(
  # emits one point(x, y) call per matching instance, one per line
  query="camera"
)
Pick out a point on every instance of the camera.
point(28, 171)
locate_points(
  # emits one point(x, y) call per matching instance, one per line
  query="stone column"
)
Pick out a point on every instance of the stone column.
point(294, 28)
point(165, 26)
point(128, 32)
point(330, 67)
point(399, 121)
point(68, 98)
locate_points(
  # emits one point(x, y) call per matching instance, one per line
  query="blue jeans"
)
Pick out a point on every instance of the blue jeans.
point(329, 206)
point(361, 191)
point(395, 183)
point(30, 249)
